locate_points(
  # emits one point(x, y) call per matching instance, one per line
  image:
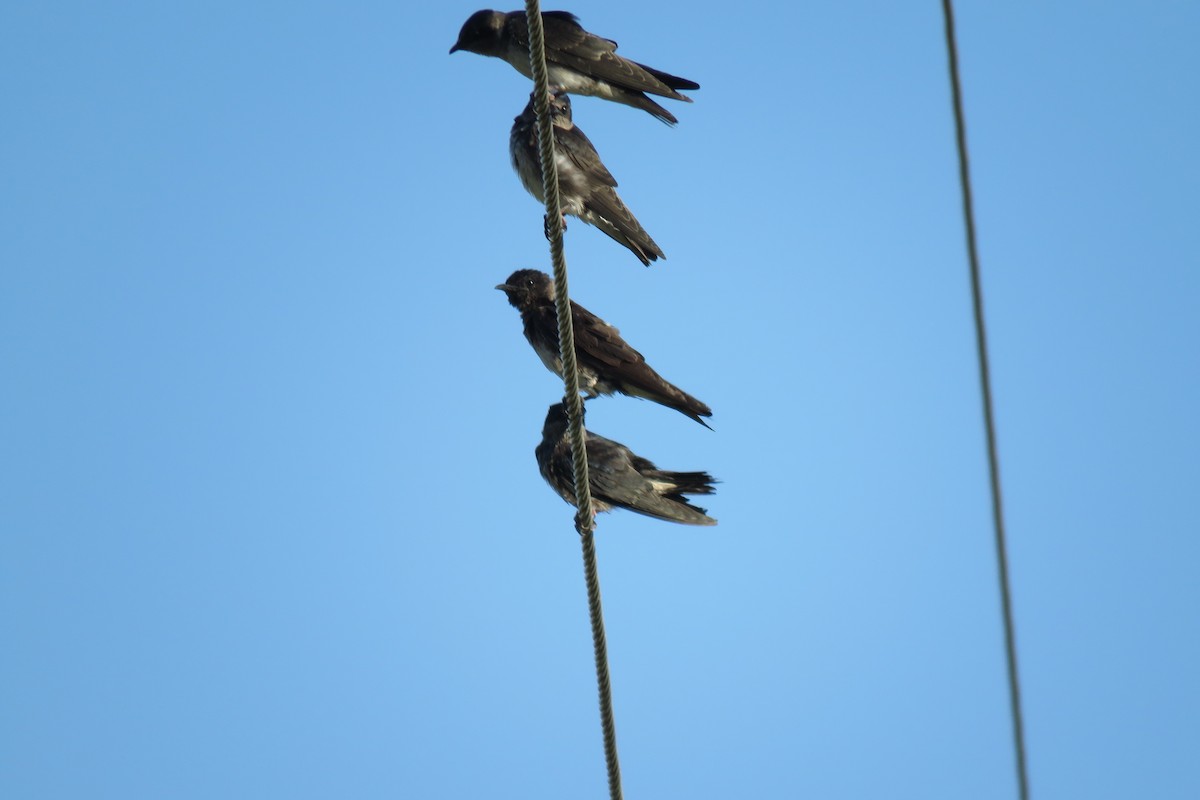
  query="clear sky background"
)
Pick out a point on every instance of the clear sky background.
point(271, 522)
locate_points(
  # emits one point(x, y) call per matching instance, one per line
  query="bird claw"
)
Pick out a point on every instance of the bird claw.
point(546, 226)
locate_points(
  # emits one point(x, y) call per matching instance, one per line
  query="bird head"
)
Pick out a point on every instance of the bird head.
point(560, 106)
point(556, 421)
point(527, 287)
point(481, 33)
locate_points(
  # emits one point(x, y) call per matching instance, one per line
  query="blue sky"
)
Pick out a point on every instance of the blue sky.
point(272, 525)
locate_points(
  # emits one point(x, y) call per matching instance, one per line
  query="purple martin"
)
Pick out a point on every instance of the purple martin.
point(607, 364)
point(619, 478)
point(577, 61)
point(586, 188)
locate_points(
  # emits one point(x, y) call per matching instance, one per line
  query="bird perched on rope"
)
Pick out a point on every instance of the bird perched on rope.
point(607, 364)
point(578, 61)
point(617, 477)
point(586, 188)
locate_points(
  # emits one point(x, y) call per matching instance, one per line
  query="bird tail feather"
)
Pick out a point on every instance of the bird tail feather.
point(673, 82)
point(610, 215)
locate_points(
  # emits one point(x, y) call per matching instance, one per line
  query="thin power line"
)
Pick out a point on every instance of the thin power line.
point(985, 380)
point(584, 515)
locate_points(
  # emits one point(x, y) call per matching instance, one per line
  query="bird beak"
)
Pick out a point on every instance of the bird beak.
point(454, 49)
point(504, 287)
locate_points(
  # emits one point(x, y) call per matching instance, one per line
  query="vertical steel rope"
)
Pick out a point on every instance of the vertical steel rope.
point(985, 380)
point(585, 514)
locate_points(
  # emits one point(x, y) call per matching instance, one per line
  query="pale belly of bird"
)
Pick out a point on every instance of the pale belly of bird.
point(577, 83)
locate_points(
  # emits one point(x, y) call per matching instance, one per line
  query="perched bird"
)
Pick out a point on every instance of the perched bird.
point(607, 364)
point(576, 60)
point(586, 188)
point(617, 477)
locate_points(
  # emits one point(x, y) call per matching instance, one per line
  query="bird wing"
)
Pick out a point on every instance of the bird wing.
point(615, 477)
point(568, 44)
point(576, 146)
point(604, 209)
point(601, 342)
point(611, 473)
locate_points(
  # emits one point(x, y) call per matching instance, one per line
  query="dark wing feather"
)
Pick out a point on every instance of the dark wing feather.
point(601, 348)
point(674, 81)
point(560, 17)
point(576, 146)
point(609, 214)
point(601, 342)
point(567, 43)
point(561, 29)
point(615, 477)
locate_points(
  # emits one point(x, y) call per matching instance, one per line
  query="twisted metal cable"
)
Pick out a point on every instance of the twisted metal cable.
point(585, 513)
point(985, 380)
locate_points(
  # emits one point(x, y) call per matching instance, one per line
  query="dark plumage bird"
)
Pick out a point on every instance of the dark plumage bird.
point(586, 188)
point(607, 364)
point(576, 60)
point(618, 478)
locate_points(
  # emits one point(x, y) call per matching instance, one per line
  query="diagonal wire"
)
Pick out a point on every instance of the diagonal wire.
point(985, 380)
point(585, 514)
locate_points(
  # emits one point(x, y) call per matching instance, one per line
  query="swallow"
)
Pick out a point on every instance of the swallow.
point(577, 61)
point(619, 478)
point(586, 188)
point(607, 364)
